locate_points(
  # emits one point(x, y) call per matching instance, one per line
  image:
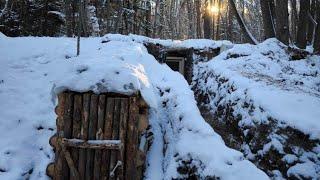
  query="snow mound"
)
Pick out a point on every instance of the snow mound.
point(190, 43)
point(265, 104)
point(2, 35)
point(184, 144)
point(287, 90)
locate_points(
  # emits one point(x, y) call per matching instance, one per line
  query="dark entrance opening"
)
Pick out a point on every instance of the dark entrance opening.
point(176, 63)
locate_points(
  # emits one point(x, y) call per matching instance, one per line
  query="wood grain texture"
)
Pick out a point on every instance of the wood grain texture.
point(93, 120)
point(84, 133)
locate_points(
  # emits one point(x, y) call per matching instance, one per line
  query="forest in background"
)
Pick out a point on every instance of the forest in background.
point(293, 22)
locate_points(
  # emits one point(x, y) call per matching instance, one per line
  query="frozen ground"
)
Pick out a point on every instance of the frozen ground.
point(33, 69)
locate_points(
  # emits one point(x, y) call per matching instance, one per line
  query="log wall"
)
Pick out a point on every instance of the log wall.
point(98, 137)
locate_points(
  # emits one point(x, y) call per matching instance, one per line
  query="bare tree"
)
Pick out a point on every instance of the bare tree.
point(311, 21)
point(198, 7)
point(302, 25)
point(316, 44)
point(282, 21)
point(268, 27)
point(294, 19)
point(230, 23)
point(207, 21)
point(243, 27)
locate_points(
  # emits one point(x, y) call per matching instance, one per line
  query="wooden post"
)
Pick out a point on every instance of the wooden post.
point(93, 120)
point(67, 127)
point(132, 140)
point(123, 135)
point(99, 136)
point(107, 134)
point(58, 157)
point(76, 130)
point(84, 134)
point(115, 134)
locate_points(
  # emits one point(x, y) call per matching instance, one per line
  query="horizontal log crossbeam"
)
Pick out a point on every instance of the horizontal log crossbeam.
point(93, 144)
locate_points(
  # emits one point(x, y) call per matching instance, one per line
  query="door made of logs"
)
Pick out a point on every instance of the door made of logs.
point(98, 137)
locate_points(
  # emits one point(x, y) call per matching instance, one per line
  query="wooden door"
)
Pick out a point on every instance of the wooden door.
point(98, 137)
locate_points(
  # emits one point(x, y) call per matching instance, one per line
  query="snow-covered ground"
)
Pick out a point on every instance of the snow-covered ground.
point(33, 69)
point(273, 100)
point(287, 90)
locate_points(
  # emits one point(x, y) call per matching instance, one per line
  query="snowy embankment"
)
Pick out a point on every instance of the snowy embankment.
point(265, 105)
point(33, 69)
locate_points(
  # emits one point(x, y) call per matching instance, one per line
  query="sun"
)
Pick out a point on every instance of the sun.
point(214, 9)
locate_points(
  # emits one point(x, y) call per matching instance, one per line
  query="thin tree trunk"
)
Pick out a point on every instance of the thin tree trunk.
point(243, 27)
point(267, 19)
point(207, 22)
point(311, 26)
point(148, 19)
point(302, 25)
point(282, 21)
point(190, 19)
point(198, 7)
point(212, 15)
point(68, 10)
point(84, 19)
point(294, 19)
point(79, 27)
point(155, 23)
point(316, 43)
point(218, 20)
point(230, 24)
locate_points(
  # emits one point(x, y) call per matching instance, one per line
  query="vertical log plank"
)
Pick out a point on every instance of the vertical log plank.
point(76, 129)
point(123, 134)
point(84, 133)
point(59, 158)
point(132, 140)
point(67, 128)
point(93, 120)
point(99, 136)
point(107, 135)
point(115, 134)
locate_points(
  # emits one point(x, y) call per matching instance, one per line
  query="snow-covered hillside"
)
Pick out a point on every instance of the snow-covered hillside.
point(265, 104)
point(33, 69)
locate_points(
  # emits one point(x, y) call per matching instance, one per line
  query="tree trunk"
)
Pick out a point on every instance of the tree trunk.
point(148, 20)
point(156, 17)
point(218, 21)
point(302, 25)
point(243, 27)
point(282, 21)
point(316, 44)
point(311, 26)
point(207, 22)
point(190, 19)
point(230, 24)
point(294, 19)
point(79, 27)
point(198, 7)
point(68, 11)
point(267, 19)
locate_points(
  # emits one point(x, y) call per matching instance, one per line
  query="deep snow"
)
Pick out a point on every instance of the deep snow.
point(34, 69)
point(287, 90)
point(269, 103)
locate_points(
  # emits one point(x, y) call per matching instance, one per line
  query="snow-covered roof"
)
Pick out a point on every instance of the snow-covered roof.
point(32, 68)
point(189, 43)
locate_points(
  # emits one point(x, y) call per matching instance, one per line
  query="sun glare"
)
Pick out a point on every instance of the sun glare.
point(214, 9)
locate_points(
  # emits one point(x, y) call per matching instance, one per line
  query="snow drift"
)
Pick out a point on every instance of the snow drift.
point(33, 70)
point(265, 104)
